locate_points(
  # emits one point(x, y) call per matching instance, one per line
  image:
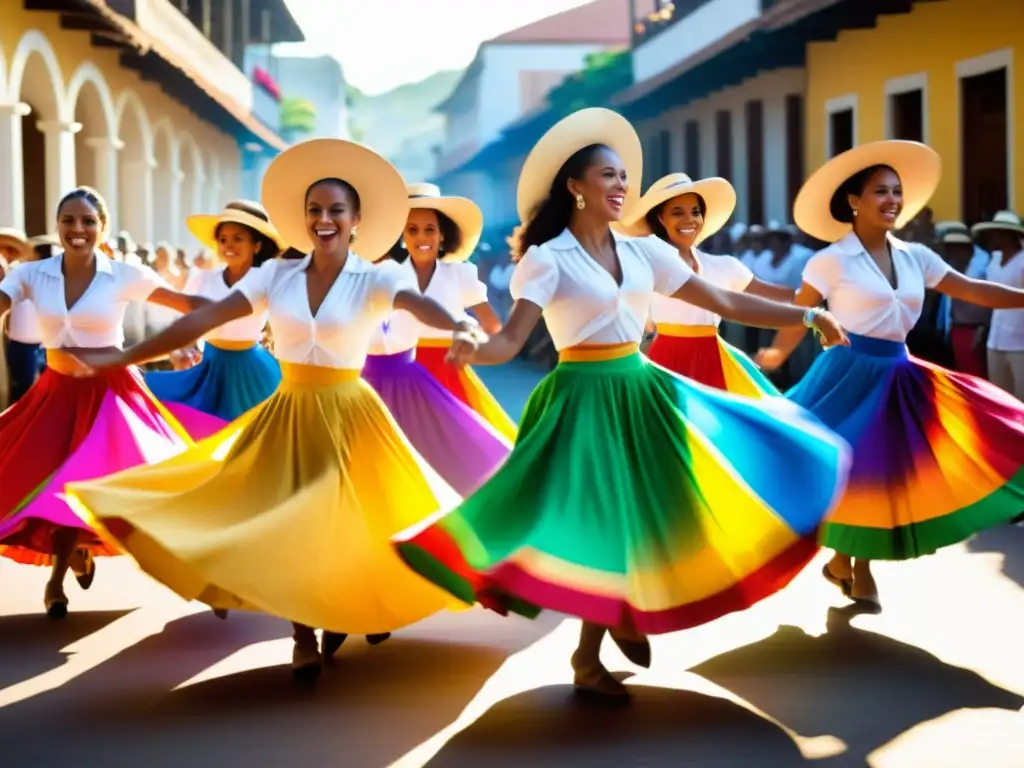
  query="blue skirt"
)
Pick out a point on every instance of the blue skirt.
point(937, 455)
point(226, 384)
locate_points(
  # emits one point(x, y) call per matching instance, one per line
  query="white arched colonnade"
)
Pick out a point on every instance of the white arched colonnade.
point(55, 134)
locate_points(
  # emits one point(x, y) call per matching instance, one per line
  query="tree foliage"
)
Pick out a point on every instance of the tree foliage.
point(603, 75)
point(298, 116)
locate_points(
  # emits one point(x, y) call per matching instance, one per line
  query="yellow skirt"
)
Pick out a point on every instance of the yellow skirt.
point(289, 510)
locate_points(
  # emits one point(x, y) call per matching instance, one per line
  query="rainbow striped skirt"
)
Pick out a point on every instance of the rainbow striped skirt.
point(937, 455)
point(634, 497)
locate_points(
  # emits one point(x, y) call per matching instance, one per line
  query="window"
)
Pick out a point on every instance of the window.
point(986, 128)
point(841, 128)
point(906, 108)
point(664, 154)
point(723, 143)
point(754, 115)
point(691, 149)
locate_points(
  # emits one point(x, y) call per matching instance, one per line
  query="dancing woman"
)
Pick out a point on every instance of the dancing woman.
point(68, 428)
point(440, 236)
point(317, 478)
point(235, 373)
point(462, 447)
point(683, 213)
point(633, 498)
point(937, 455)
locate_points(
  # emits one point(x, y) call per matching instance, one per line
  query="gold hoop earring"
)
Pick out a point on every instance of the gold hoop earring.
point(580, 202)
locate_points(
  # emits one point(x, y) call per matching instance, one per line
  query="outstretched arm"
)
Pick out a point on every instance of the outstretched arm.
point(980, 292)
point(178, 334)
point(507, 343)
point(176, 300)
point(488, 318)
point(771, 291)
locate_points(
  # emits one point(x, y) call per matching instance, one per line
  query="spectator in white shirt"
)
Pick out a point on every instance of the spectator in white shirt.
point(1005, 234)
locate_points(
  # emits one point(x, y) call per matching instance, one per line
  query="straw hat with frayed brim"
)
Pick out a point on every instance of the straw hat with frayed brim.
point(462, 211)
point(15, 238)
point(1008, 221)
point(384, 205)
point(569, 135)
point(204, 226)
point(718, 195)
point(918, 166)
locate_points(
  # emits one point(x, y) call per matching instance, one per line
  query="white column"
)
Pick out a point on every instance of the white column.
point(137, 199)
point(12, 179)
point(60, 160)
point(776, 202)
point(104, 156)
point(174, 223)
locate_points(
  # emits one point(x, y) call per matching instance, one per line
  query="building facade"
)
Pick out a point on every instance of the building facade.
point(943, 73)
point(144, 100)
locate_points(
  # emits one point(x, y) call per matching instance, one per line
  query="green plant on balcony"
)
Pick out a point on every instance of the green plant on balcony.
point(298, 118)
point(603, 75)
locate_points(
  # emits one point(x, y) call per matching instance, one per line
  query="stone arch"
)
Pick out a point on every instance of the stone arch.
point(128, 102)
point(33, 46)
point(89, 74)
point(166, 182)
point(3, 75)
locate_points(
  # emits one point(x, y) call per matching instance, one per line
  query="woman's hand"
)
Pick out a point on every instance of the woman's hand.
point(183, 359)
point(769, 359)
point(466, 340)
point(89, 362)
point(831, 332)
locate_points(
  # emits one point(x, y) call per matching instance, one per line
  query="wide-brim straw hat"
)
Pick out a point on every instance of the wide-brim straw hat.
point(718, 195)
point(16, 239)
point(1007, 221)
point(384, 205)
point(204, 225)
point(918, 166)
point(466, 215)
point(594, 125)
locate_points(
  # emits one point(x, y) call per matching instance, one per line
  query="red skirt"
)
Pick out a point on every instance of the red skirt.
point(66, 429)
point(465, 385)
point(700, 354)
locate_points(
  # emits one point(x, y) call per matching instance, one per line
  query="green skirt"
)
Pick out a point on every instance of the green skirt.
point(635, 497)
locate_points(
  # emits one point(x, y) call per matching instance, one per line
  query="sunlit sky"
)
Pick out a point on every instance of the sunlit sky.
point(382, 44)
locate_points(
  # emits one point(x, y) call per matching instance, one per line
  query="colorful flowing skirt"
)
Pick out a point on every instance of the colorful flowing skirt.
point(463, 448)
point(937, 455)
point(636, 497)
point(699, 353)
point(230, 379)
point(66, 429)
point(288, 511)
point(465, 385)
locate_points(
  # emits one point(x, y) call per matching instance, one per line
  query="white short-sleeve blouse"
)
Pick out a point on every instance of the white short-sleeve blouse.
point(23, 322)
point(859, 295)
point(209, 283)
point(339, 335)
point(581, 301)
point(723, 271)
point(455, 285)
point(96, 318)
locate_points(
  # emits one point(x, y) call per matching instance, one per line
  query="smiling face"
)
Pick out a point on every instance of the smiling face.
point(880, 202)
point(331, 214)
point(422, 235)
point(79, 225)
point(603, 185)
point(683, 219)
point(236, 245)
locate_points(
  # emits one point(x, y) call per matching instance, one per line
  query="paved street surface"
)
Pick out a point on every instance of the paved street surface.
point(136, 678)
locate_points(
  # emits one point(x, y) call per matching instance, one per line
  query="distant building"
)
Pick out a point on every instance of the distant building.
point(509, 77)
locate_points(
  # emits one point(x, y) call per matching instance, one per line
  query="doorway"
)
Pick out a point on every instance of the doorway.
point(983, 145)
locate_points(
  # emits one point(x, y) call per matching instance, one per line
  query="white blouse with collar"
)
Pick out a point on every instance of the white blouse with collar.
point(723, 271)
point(581, 301)
point(209, 283)
point(859, 295)
point(96, 318)
point(455, 285)
point(339, 335)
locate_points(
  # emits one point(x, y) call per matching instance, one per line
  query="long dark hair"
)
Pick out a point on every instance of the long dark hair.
point(839, 206)
point(268, 248)
point(653, 217)
point(553, 213)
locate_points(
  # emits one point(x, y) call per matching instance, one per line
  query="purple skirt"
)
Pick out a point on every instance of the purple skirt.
point(460, 446)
